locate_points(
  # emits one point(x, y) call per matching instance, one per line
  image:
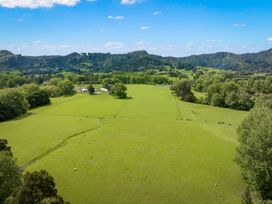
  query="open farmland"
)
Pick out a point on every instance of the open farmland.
point(151, 148)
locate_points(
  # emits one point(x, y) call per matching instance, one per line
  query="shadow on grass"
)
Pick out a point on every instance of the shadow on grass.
point(26, 115)
point(127, 98)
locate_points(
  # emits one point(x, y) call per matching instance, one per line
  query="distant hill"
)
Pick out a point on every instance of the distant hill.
point(134, 61)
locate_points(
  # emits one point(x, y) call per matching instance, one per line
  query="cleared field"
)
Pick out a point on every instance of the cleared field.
point(148, 149)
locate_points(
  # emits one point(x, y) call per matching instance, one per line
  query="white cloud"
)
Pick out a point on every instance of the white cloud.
point(37, 42)
point(115, 46)
point(130, 2)
point(189, 46)
point(239, 25)
point(214, 41)
point(18, 20)
point(36, 3)
point(269, 39)
point(140, 46)
point(157, 13)
point(145, 28)
point(116, 17)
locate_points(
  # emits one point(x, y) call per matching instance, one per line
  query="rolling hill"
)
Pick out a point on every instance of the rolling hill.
point(135, 61)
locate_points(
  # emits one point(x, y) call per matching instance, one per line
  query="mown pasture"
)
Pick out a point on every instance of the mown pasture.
point(151, 148)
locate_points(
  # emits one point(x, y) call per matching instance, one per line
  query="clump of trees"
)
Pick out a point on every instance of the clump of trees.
point(230, 95)
point(31, 188)
point(254, 154)
point(183, 89)
point(13, 103)
point(16, 101)
point(35, 96)
point(119, 90)
point(231, 89)
point(11, 80)
point(57, 87)
point(37, 187)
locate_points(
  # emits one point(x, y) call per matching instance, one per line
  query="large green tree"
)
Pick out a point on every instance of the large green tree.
point(254, 154)
point(10, 175)
point(37, 187)
point(38, 98)
point(183, 89)
point(67, 87)
point(13, 103)
point(119, 90)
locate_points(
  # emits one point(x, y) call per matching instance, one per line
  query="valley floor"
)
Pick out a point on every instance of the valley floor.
point(151, 149)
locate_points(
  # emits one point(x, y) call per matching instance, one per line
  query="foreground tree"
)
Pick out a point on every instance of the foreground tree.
point(10, 175)
point(37, 187)
point(119, 90)
point(254, 155)
point(183, 90)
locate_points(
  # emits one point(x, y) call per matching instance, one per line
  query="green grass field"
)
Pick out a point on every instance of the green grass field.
point(151, 149)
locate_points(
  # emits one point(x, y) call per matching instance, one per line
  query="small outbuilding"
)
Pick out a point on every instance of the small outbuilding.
point(83, 90)
point(104, 90)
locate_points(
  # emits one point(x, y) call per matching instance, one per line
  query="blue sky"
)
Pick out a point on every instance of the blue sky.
point(164, 27)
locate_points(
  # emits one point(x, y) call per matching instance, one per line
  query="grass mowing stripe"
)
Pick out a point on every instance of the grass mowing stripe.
point(179, 111)
point(119, 111)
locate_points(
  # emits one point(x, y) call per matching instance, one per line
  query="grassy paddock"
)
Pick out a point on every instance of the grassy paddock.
point(148, 149)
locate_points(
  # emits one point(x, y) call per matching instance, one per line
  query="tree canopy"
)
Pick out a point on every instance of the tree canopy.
point(119, 90)
point(254, 154)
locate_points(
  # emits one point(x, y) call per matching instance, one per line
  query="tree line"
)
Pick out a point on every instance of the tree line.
point(17, 101)
point(223, 89)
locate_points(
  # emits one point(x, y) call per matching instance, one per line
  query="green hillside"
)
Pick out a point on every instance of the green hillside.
point(134, 61)
point(151, 148)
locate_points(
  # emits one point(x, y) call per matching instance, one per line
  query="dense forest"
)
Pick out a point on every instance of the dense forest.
point(134, 61)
